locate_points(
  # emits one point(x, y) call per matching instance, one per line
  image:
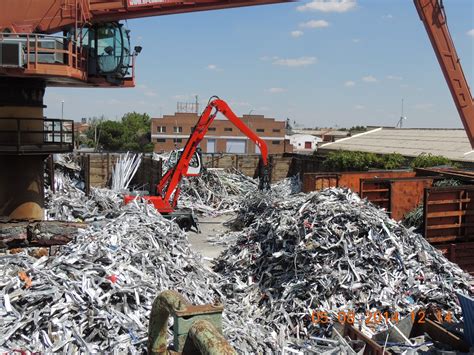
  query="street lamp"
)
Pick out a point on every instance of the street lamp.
point(62, 109)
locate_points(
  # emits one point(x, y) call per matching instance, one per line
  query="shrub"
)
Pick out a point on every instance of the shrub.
point(347, 161)
point(428, 160)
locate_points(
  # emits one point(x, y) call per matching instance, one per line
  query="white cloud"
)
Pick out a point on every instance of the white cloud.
point(394, 77)
point(369, 79)
point(328, 5)
point(359, 107)
point(295, 62)
point(470, 33)
point(387, 17)
point(296, 34)
point(315, 24)
point(349, 83)
point(267, 58)
point(356, 40)
point(276, 90)
point(212, 67)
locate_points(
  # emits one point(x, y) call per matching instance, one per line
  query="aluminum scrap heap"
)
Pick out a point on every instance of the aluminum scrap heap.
point(217, 192)
point(95, 295)
point(330, 251)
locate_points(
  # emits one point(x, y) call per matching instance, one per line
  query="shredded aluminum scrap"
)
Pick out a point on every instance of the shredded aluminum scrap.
point(218, 192)
point(96, 294)
point(70, 203)
point(330, 251)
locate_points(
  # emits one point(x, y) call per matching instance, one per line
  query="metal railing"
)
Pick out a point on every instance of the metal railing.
point(36, 136)
point(32, 45)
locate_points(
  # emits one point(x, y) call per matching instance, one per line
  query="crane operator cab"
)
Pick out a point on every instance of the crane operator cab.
point(195, 165)
point(109, 54)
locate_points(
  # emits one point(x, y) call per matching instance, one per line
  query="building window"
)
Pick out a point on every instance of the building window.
point(160, 140)
point(161, 129)
point(228, 129)
point(178, 129)
point(276, 142)
point(192, 129)
point(260, 130)
point(177, 140)
point(276, 130)
point(307, 145)
point(212, 129)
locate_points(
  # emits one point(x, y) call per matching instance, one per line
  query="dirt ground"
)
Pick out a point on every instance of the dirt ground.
point(210, 226)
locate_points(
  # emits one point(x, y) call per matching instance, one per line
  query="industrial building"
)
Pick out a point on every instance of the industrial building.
point(172, 131)
point(409, 142)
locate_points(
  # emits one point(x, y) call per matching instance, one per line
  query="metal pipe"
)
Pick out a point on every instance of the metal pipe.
point(167, 302)
point(207, 339)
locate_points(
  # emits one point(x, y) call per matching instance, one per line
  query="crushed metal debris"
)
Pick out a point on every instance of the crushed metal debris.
point(330, 251)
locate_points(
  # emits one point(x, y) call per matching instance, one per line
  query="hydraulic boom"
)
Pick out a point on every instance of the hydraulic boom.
point(168, 189)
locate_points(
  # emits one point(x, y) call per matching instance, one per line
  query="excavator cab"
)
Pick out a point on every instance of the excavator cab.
point(195, 165)
point(109, 54)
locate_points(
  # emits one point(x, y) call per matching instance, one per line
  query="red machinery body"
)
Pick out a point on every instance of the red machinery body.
point(168, 188)
point(434, 19)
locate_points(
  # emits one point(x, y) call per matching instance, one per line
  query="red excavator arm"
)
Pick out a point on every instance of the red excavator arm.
point(168, 188)
point(51, 16)
point(434, 18)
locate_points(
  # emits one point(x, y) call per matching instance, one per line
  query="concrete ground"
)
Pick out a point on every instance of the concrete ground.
point(210, 226)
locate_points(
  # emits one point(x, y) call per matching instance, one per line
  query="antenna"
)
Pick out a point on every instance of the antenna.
point(402, 118)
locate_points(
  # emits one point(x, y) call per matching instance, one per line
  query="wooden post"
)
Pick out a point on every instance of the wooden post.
point(87, 174)
point(51, 173)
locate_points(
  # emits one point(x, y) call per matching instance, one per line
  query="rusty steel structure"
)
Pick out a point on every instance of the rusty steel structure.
point(197, 329)
point(434, 19)
point(62, 43)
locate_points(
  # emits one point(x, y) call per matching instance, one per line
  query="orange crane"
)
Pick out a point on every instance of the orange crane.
point(94, 49)
point(433, 16)
point(168, 189)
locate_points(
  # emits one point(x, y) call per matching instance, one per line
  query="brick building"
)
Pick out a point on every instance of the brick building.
point(170, 132)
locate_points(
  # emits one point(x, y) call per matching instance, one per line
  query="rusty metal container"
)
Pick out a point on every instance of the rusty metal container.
point(398, 196)
point(449, 214)
point(349, 179)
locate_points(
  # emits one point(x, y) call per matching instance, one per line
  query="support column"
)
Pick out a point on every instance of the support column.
point(21, 176)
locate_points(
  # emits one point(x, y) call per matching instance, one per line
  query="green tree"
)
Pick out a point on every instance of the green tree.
point(131, 133)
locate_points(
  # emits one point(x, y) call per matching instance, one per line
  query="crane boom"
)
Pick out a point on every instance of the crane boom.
point(168, 188)
point(434, 19)
point(51, 16)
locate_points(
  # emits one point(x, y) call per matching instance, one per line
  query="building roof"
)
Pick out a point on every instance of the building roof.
point(450, 143)
point(322, 132)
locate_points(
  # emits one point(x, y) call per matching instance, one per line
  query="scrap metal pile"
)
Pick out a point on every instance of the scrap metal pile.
point(96, 294)
point(216, 191)
point(330, 251)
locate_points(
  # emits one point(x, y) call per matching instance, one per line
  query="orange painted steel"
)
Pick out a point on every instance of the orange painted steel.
point(434, 19)
point(168, 189)
point(449, 214)
point(351, 179)
point(398, 196)
point(52, 16)
point(459, 253)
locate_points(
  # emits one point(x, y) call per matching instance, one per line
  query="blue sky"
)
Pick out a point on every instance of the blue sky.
point(348, 66)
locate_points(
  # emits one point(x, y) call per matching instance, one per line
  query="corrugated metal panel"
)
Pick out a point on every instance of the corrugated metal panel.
point(451, 143)
point(467, 305)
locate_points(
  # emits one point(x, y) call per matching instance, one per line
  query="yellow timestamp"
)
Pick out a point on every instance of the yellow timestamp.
point(375, 317)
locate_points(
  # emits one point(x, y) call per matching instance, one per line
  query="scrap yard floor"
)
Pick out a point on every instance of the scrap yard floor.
point(210, 226)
